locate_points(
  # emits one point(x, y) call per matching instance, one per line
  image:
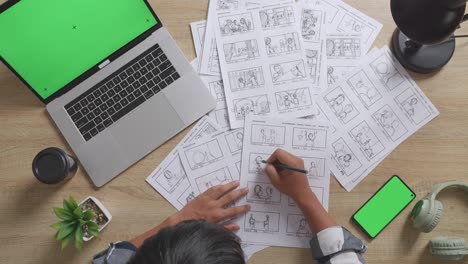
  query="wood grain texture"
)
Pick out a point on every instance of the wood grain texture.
point(435, 154)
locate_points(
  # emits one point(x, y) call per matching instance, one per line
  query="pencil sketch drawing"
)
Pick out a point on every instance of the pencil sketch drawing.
point(172, 175)
point(413, 106)
point(212, 179)
point(202, 155)
point(390, 123)
point(241, 51)
point(312, 65)
point(336, 73)
point(347, 162)
point(297, 225)
point(277, 17)
point(343, 48)
point(315, 167)
point(389, 76)
point(306, 138)
point(293, 99)
point(311, 25)
point(263, 193)
point(349, 24)
point(246, 79)
point(264, 222)
point(186, 197)
point(227, 4)
point(341, 105)
point(268, 135)
point(256, 105)
point(236, 24)
point(217, 90)
point(288, 71)
point(213, 58)
point(282, 44)
point(206, 129)
point(235, 140)
point(364, 89)
point(256, 165)
point(222, 118)
point(369, 143)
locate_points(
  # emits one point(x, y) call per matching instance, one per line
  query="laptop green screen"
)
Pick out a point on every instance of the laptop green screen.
point(49, 43)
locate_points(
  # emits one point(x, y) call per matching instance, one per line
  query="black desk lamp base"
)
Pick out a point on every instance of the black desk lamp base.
point(421, 58)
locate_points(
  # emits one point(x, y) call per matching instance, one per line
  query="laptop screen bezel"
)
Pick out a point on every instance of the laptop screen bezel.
point(75, 82)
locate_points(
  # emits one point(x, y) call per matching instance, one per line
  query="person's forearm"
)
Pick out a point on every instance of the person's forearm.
point(138, 241)
point(317, 217)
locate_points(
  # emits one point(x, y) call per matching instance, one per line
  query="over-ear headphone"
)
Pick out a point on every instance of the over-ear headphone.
point(427, 214)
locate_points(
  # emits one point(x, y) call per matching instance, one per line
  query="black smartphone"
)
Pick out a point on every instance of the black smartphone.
point(384, 206)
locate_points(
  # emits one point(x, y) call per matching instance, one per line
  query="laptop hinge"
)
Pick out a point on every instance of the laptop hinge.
point(104, 64)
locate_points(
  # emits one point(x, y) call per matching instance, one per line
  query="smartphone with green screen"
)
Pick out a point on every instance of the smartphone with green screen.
point(384, 206)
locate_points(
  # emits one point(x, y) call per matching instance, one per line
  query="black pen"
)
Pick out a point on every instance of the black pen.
point(286, 167)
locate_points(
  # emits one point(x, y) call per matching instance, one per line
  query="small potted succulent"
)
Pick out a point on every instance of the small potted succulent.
point(80, 222)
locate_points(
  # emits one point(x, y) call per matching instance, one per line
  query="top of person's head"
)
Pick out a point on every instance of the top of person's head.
point(191, 242)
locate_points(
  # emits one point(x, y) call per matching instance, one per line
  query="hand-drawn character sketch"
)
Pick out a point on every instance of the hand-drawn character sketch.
point(246, 79)
point(364, 89)
point(212, 179)
point(265, 222)
point(263, 193)
point(217, 90)
point(336, 73)
point(413, 106)
point(281, 44)
point(370, 144)
point(288, 71)
point(297, 226)
point(255, 162)
point(344, 48)
point(186, 197)
point(315, 167)
point(268, 135)
point(276, 17)
point(389, 76)
point(241, 51)
point(347, 162)
point(390, 123)
point(312, 65)
point(257, 105)
point(172, 175)
point(311, 25)
point(227, 4)
point(236, 24)
point(341, 106)
point(293, 99)
point(309, 138)
point(235, 140)
point(353, 25)
point(202, 155)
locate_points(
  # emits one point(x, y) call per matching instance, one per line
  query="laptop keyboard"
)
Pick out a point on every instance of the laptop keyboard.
point(120, 93)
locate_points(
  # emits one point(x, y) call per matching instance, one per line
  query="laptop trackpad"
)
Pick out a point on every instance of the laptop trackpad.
point(146, 128)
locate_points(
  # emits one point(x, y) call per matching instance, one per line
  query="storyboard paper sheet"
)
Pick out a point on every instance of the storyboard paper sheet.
point(375, 108)
point(169, 178)
point(275, 219)
point(263, 65)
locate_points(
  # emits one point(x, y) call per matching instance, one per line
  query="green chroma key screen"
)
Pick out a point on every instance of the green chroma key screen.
point(49, 43)
point(384, 206)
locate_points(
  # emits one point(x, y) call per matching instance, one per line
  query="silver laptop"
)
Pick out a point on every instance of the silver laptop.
point(113, 79)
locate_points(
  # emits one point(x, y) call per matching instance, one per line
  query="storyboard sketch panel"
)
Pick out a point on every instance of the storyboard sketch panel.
point(198, 34)
point(169, 178)
point(263, 62)
point(375, 108)
point(212, 160)
point(275, 219)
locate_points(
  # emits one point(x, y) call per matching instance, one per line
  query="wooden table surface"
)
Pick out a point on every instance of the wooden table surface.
point(437, 153)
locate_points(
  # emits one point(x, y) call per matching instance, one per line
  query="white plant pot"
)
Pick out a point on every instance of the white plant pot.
point(104, 211)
